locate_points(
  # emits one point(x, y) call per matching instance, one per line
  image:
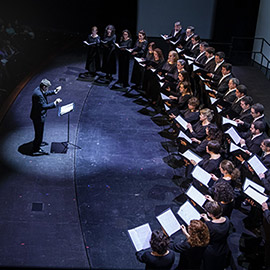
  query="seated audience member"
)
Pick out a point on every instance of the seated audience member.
point(216, 253)
point(198, 130)
point(192, 248)
point(160, 257)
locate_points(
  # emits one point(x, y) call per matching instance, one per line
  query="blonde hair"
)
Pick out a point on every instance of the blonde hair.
point(208, 113)
point(176, 57)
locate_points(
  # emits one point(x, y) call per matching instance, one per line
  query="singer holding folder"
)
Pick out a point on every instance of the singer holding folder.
point(160, 257)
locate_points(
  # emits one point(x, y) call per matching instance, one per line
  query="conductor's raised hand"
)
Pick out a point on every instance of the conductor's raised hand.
point(57, 89)
point(57, 101)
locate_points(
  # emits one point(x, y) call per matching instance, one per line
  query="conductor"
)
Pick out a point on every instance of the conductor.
point(38, 114)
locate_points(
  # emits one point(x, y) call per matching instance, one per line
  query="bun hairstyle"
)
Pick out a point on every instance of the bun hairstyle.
point(228, 166)
point(159, 242)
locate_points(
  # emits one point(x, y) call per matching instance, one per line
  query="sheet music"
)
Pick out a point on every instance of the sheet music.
point(257, 165)
point(234, 147)
point(129, 50)
point(190, 62)
point(179, 50)
point(191, 156)
point(181, 121)
point(88, 44)
point(201, 175)
point(153, 70)
point(164, 97)
point(140, 236)
point(233, 134)
point(165, 38)
point(161, 84)
point(169, 222)
point(255, 195)
point(208, 88)
point(174, 42)
point(228, 121)
point(195, 67)
point(117, 45)
point(187, 212)
point(166, 107)
point(139, 60)
point(183, 135)
point(196, 196)
point(213, 100)
point(160, 77)
point(203, 79)
point(66, 109)
point(189, 57)
point(218, 109)
point(248, 182)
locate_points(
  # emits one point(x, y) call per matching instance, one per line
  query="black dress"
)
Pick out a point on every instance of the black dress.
point(156, 262)
point(124, 57)
point(93, 55)
point(109, 58)
point(137, 72)
point(190, 257)
point(215, 255)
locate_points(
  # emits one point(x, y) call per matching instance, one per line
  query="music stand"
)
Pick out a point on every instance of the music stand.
point(62, 147)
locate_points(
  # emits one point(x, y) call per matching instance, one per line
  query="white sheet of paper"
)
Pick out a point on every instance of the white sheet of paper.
point(195, 67)
point(183, 135)
point(228, 121)
point(169, 222)
point(181, 121)
point(213, 100)
point(255, 195)
point(130, 50)
point(174, 42)
point(161, 84)
point(187, 212)
point(179, 50)
point(233, 134)
point(66, 109)
point(191, 156)
point(194, 194)
point(201, 175)
point(208, 88)
point(189, 57)
point(141, 236)
point(160, 77)
point(202, 78)
point(234, 147)
point(153, 70)
point(189, 62)
point(218, 109)
point(257, 165)
point(165, 38)
point(248, 182)
point(117, 45)
point(139, 60)
point(164, 97)
point(166, 107)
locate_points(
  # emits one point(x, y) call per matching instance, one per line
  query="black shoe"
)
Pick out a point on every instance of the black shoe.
point(39, 152)
point(44, 144)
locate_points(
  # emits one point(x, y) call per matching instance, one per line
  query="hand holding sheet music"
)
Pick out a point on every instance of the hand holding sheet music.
point(257, 165)
point(201, 175)
point(195, 195)
point(256, 195)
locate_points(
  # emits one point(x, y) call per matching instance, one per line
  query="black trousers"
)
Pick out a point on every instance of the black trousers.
point(39, 128)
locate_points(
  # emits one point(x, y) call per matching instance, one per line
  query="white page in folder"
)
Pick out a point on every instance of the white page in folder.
point(248, 183)
point(66, 109)
point(257, 166)
point(201, 175)
point(255, 195)
point(191, 156)
point(184, 136)
point(196, 196)
point(181, 121)
point(187, 212)
point(233, 134)
point(169, 222)
point(140, 236)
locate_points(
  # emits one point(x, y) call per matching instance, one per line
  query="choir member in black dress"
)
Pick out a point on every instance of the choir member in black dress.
point(179, 101)
point(138, 51)
point(212, 133)
point(160, 257)
point(93, 55)
point(223, 194)
point(229, 174)
point(123, 58)
point(215, 255)
point(198, 130)
point(192, 248)
point(108, 52)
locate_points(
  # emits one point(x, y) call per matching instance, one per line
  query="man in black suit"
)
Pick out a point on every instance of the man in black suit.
point(38, 114)
point(176, 36)
point(219, 60)
point(201, 58)
point(222, 86)
point(230, 96)
point(245, 115)
point(253, 142)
